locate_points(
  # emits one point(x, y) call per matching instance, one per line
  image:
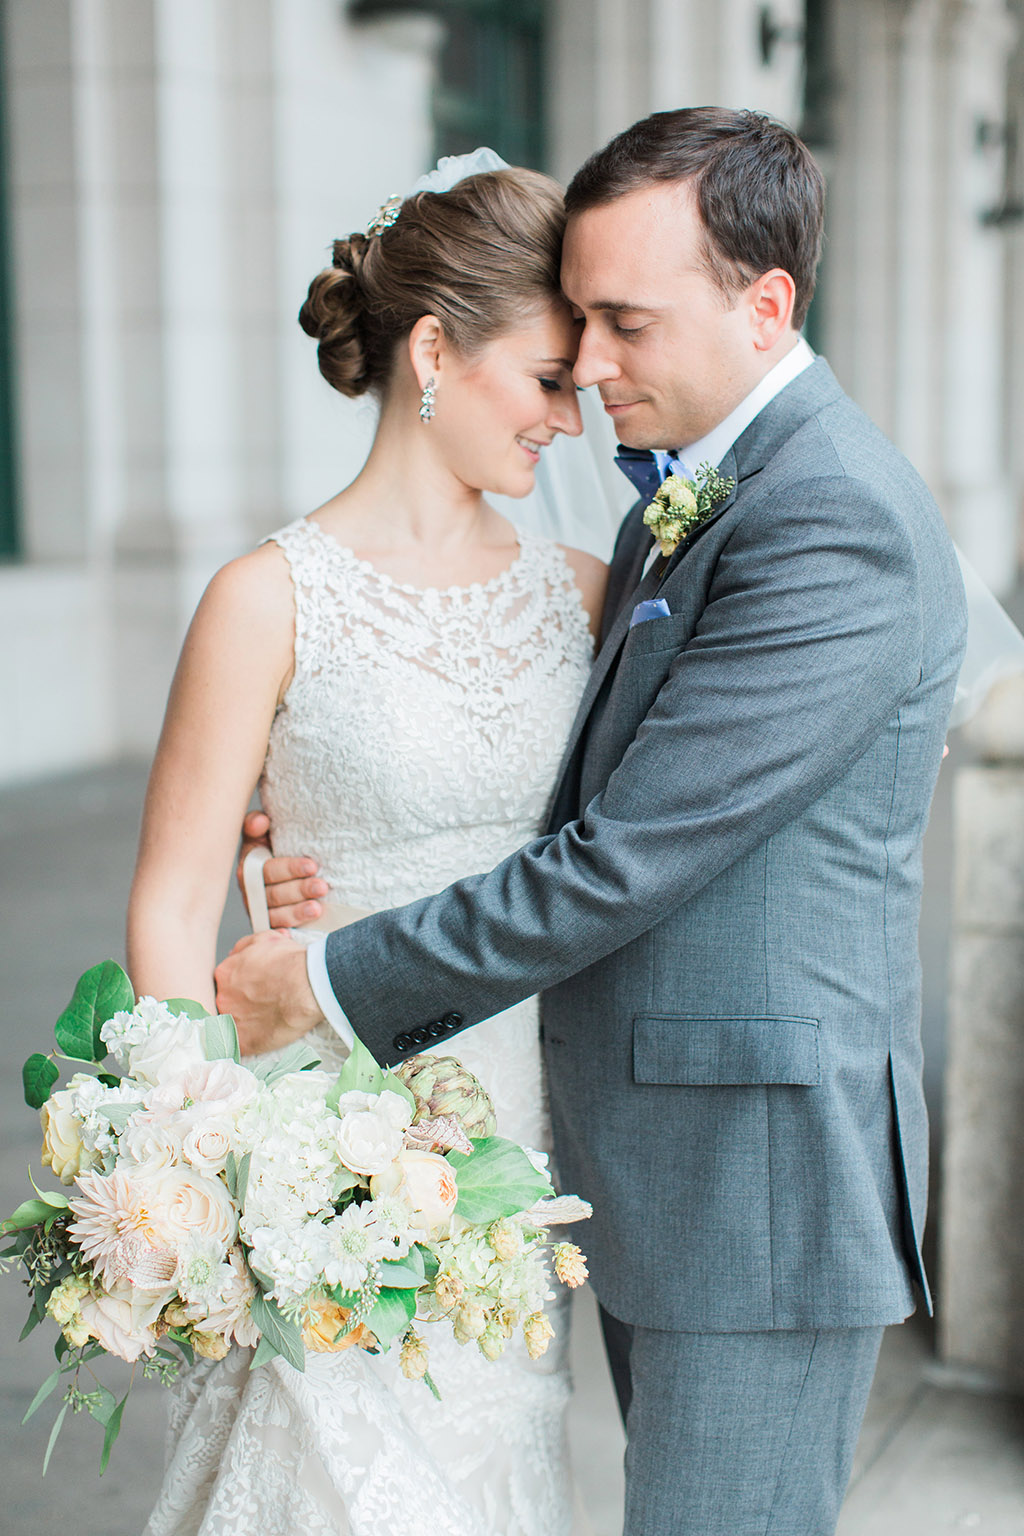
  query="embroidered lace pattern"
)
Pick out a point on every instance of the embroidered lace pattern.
point(417, 743)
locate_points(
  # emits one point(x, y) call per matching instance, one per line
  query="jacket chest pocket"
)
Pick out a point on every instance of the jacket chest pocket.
point(647, 656)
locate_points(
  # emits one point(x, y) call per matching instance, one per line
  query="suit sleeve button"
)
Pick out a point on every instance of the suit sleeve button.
point(452, 1020)
point(402, 1042)
point(420, 1035)
point(437, 1029)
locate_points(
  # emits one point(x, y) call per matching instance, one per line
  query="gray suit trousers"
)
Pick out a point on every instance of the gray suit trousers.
point(739, 1434)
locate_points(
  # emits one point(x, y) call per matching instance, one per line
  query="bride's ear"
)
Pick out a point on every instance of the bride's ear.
point(427, 348)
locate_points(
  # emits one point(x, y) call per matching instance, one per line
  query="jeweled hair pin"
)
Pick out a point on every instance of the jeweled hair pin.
point(385, 216)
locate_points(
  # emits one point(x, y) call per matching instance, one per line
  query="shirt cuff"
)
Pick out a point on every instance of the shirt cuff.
point(333, 1012)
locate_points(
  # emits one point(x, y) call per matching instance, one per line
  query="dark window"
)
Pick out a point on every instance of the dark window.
point(490, 75)
point(8, 468)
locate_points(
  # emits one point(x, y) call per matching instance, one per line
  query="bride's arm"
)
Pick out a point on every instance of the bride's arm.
point(235, 666)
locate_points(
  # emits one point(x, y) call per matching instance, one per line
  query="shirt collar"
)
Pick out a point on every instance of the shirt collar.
point(713, 447)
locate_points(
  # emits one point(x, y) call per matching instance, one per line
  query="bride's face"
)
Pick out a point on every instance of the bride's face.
point(497, 411)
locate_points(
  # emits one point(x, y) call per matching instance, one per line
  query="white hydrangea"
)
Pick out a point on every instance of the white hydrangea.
point(128, 1029)
point(293, 1258)
point(90, 1100)
point(294, 1152)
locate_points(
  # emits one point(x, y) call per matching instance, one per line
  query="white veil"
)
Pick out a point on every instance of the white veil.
point(580, 499)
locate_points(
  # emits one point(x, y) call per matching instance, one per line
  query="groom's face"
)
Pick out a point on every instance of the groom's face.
point(670, 353)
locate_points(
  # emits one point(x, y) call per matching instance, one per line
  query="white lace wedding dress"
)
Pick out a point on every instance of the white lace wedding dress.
point(417, 743)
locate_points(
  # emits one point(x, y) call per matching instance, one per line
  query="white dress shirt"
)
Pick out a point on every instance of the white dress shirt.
point(710, 449)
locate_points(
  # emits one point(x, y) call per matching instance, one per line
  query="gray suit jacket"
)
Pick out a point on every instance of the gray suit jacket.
point(723, 916)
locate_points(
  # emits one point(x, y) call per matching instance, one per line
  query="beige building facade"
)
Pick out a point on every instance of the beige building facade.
point(177, 168)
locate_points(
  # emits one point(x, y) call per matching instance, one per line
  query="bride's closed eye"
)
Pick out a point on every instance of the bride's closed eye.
point(551, 386)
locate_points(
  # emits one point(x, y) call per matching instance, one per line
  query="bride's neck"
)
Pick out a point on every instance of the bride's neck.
point(406, 495)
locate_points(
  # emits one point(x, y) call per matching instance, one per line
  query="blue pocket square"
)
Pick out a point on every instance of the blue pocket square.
point(653, 608)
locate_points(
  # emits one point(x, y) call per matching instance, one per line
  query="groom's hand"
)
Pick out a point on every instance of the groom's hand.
point(264, 987)
point(292, 884)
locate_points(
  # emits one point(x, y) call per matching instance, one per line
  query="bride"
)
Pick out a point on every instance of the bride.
point(398, 671)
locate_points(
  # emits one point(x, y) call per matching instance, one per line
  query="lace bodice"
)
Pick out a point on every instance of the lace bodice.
point(420, 736)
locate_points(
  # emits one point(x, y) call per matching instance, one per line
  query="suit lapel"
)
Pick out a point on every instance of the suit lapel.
point(815, 388)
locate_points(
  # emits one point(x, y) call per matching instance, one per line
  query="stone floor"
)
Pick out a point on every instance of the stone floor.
point(934, 1457)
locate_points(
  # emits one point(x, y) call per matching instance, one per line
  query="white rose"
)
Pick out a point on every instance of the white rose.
point(427, 1184)
point(207, 1145)
point(168, 1051)
point(368, 1140)
point(63, 1148)
point(121, 1319)
point(150, 1143)
point(187, 1204)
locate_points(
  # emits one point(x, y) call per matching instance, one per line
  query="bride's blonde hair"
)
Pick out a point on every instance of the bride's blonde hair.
point(482, 257)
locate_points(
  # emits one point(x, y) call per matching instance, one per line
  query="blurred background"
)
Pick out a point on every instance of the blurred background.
point(171, 175)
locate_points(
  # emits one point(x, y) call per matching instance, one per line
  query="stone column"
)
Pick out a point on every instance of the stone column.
point(981, 1291)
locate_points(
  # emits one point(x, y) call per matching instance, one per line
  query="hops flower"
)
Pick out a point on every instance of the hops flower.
point(470, 1320)
point(209, 1345)
point(570, 1265)
point(538, 1333)
point(414, 1357)
point(506, 1238)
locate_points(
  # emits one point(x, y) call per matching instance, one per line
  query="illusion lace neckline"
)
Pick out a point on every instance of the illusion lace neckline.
point(357, 562)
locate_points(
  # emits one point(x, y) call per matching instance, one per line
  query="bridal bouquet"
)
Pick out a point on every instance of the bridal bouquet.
point(268, 1204)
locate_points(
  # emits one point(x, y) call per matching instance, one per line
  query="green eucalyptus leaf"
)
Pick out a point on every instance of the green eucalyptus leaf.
point(496, 1179)
point(100, 993)
point(102, 1404)
point(54, 1432)
point(220, 1038)
point(184, 1344)
point(48, 1386)
point(38, 1076)
point(242, 1184)
point(112, 1431)
point(279, 1335)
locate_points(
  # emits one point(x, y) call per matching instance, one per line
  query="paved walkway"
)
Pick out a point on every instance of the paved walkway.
point(933, 1457)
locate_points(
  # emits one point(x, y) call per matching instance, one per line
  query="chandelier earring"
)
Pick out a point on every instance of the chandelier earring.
point(427, 401)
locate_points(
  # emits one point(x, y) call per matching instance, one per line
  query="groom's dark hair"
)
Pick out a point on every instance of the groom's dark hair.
point(759, 191)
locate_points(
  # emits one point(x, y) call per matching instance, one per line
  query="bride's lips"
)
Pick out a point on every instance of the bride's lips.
point(531, 449)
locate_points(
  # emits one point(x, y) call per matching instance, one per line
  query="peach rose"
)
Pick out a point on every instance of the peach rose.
point(324, 1322)
point(426, 1181)
point(122, 1319)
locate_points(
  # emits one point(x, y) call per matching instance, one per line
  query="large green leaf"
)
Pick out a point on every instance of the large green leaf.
point(392, 1315)
point(38, 1076)
point(495, 1179)
point(279, 1335)
point(359, 1072)
point(186, 1005)
point(297, 1057)
point(31, 1212)
point(100, 993)
point(403, 1273)
point(220, 1038)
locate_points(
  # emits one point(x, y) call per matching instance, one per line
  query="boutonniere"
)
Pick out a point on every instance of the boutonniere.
point(681, 505)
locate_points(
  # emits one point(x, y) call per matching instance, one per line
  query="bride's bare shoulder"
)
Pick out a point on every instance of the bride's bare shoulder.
point(255, 587)
point(591, 575)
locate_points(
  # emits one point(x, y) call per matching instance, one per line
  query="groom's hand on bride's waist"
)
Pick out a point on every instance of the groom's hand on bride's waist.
point(292, 885)
point(263, 984)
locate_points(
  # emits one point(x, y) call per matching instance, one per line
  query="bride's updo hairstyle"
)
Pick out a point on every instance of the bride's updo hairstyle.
point(482, 257)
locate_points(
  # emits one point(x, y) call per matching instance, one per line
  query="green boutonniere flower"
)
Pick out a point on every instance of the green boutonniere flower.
point(681, 505)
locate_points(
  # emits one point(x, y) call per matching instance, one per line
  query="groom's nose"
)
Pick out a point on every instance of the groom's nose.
point(594, 362)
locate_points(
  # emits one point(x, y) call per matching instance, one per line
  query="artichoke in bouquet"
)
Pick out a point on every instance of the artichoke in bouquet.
point(443, 1086)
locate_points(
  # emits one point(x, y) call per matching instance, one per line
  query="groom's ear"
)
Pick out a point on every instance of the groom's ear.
point(427, 348)
point(769, 300)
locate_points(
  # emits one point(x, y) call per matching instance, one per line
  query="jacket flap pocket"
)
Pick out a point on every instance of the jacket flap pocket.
point(685, 1049)
point(668, 633)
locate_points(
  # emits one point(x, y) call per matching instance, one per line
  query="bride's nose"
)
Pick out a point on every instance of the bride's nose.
point(564, 415)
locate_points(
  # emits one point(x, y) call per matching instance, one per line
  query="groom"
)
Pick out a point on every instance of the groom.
point(722, 917)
